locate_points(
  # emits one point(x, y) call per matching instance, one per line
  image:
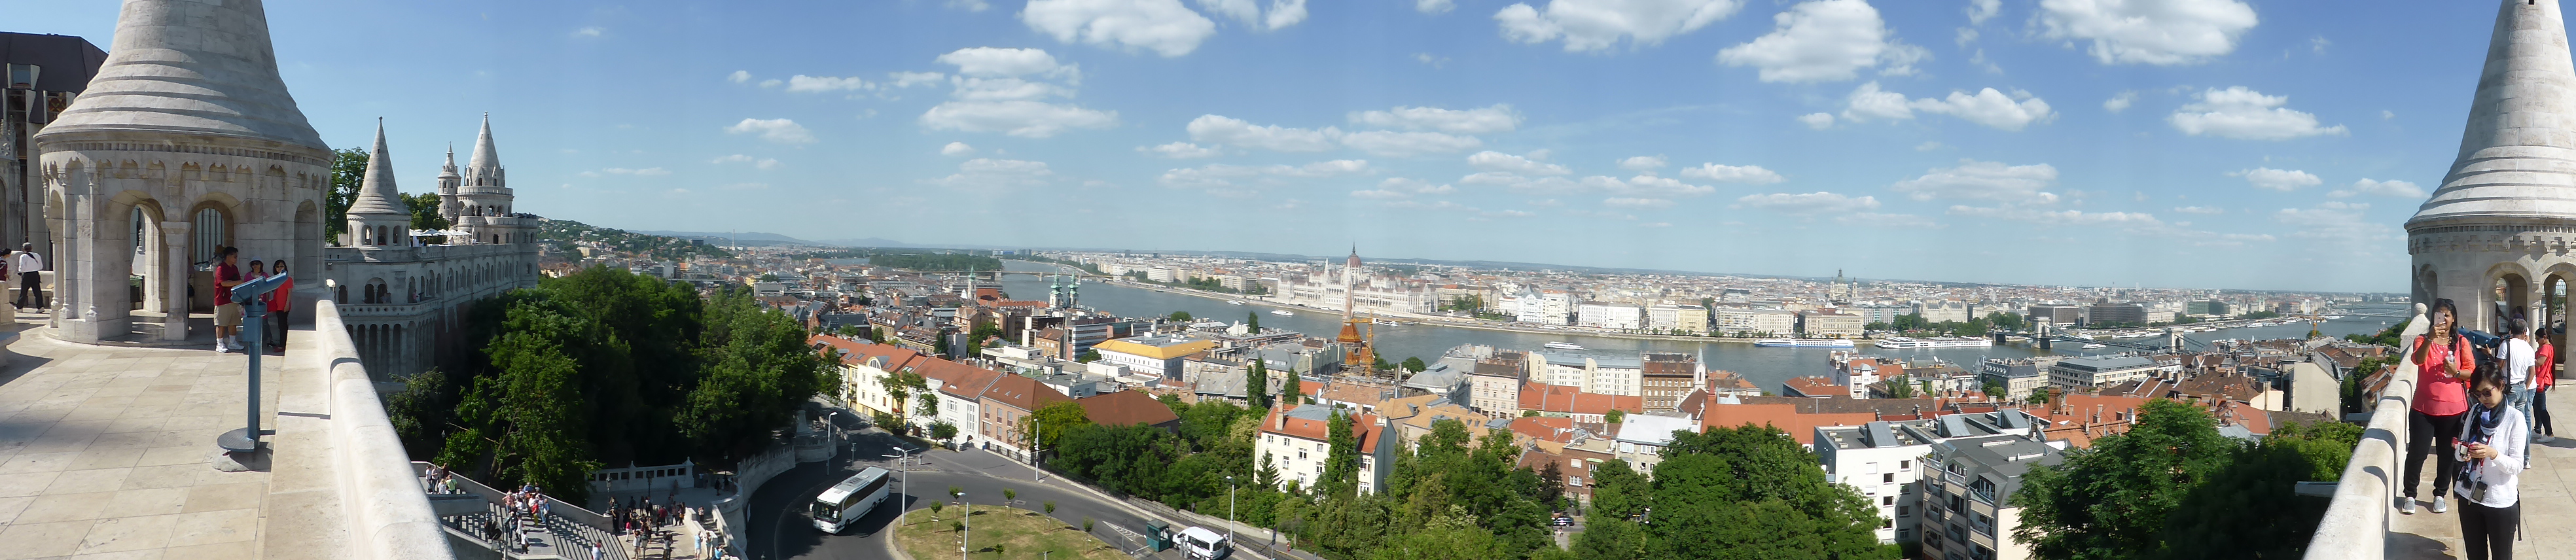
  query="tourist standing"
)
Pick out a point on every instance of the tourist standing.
point(28, 263)
point(2491, 454)
point(2443, 365)
point(279, 302)
point(2520, 357)
point(2543, 376)
point(227, 312)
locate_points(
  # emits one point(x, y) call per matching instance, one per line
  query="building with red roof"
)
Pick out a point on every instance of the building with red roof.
point(1567, 401)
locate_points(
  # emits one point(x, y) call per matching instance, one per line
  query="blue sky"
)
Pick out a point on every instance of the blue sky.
point(2177, 143)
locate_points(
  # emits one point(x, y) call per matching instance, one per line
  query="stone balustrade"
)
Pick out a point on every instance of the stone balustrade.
point(387, 515)
point(2356, 525)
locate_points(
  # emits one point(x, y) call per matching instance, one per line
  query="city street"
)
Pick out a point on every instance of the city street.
point(778, 529)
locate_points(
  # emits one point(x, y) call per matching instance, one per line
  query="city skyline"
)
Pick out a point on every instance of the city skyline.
point(1456, 130)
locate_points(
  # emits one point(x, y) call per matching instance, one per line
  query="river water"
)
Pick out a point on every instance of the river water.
point(1765, 367)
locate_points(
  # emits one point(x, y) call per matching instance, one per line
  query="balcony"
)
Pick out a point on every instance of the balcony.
point(2363, 523)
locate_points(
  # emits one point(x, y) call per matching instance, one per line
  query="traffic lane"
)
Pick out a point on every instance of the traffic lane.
point(790, 535)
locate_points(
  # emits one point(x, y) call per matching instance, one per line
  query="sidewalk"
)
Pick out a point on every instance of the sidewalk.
point(2547, 500)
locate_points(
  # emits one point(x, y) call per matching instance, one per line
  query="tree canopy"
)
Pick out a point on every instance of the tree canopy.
point(2172, 487)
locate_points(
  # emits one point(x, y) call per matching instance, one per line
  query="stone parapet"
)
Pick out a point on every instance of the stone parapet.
point(387, 513)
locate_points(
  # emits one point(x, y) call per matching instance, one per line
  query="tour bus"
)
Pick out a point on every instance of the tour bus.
point(1199, 543)
point(850, 500)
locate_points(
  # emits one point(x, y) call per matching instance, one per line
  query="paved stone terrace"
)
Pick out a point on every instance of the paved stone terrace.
point(105, 452)
point(2548, 505)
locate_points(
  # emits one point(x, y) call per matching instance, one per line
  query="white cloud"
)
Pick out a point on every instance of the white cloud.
point(1282, 13)
point(736, 158)
point(1928, 145)
point(1889, 220)
point(782, 131)
point(772, 82)
point(994, 62)
point(1433, 61)
point(969, 5)
point(1748, 174)
point(2337, 225)
point(1236, 132)
point(2204, 210)
point(2061, 217)
point(801, 83)
point(1984, 180)
point(2395, 188)
point(1181, 150)
point(1808, 203)
point(1026, 119)
point(1489, 120)
point(1591, 25)
point(990, 173)
point(1005, 89)
point(1162, 26)
point(588, 32)
point(956, 149)
point(739, 76)
point(2121, 102)
point(2163, 32)
point(1402, 187)
point(1981, 10)
point(1646, 185)
point(1825, 40)
point(1433, 6)
point(763, 163)
point(1644, 163)
point(1625, 202)
point(1224, 177)
point(909, 79)
point(747, 186)
point(1987, 107)
point(1818, 121)
point(1379, 194)
point(1507, 163)
point(645, 172)
point(766, 163)
point(1406, 144)
point(2246, 114)
point(2278, 180)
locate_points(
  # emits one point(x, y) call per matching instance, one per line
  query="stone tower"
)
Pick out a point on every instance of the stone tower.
point(448, 205)
point(484, 197)
point(187, 135)
point(2496, 234)
point(378, 216)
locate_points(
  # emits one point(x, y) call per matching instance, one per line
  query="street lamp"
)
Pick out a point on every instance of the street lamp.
point(907, 469)
point(970, 525)
point(1229, 510)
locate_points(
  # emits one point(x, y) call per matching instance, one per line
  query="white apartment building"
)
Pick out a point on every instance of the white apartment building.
point(1605, 315)
point(1547, 307)
point(1886, 460)
point(2097, 371)
point(1608, 375)
point(1687, 318)
point(1948, 310)
point(1966, 510)
point(1756, 321)
point(1295, 440)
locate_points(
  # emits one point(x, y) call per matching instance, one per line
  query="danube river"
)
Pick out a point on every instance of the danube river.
point(1765, 367)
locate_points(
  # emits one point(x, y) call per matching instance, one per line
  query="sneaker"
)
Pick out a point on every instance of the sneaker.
point(2406, 505)
point(2544, 438)
point(2441, 504)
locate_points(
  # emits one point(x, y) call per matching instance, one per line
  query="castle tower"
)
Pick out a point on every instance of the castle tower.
point(377, 217)
point(187, 134)
point(485, 197)
point(448, 180)
point(2494, 236)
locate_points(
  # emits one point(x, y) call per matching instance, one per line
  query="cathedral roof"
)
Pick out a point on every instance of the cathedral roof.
point(191, 67)
point(2518, 154)
point(376, 194)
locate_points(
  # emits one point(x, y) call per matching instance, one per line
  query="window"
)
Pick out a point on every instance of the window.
point(1887, 478)
point(1907, 464)
point(1301, 454)
point(1902, 511)
point(1886, 500)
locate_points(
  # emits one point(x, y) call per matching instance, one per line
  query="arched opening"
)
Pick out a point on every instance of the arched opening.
point(2554, 318)
point(213, 229)
point(308, 244)
point(2511, 299)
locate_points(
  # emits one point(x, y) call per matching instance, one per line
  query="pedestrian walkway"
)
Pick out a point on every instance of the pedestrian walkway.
point(109, 451)
point(2547, 503)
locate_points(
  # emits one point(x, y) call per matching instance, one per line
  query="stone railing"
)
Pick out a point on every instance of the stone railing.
point(2356, 523)
point(388, 516)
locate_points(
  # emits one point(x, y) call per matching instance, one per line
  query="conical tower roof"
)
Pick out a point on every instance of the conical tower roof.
point(376, 194)
point(2518, 155)
point(486, 161)
point(191, 67)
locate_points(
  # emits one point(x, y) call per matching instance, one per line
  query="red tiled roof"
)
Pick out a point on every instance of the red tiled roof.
point(1023, 393)
point(1126, 408)
point(1364, 427)
point(1814, 387)
point(1783, 416)
point(1560, 430)
point(1569, 400)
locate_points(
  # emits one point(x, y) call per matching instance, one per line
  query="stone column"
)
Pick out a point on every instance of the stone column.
point(174, 279)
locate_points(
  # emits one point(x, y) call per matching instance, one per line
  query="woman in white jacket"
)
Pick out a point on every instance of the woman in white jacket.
point(2491, 447)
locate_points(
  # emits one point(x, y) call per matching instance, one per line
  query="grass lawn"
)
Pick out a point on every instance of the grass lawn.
point(1022, 534)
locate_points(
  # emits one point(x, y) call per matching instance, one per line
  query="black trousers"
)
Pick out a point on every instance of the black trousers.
point(29, 291)
point(275, 325)
point(2431, 435)
point(2488, 531)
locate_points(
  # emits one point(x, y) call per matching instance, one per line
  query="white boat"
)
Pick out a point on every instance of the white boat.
point(1233, 302)
point(1903, 343)
point(1282, 313)
point(1563, 346)
point(2092, 346)
point(1804, 343)
point(1381, 322)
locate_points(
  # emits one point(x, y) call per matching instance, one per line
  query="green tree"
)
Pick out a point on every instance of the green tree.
point(1754, 493)
point(1257, 381)
point(2006, 320)
point(2249, 508)
point(1252, 319)
point(1289, 391)
point(1995, 389)
point(2113, 500)
point(1529, 414)
point(1414, 364)
point(348, 171)
point(1615, 416)
point(1050, 422)
point(1909, 322)
point(1182, 316)
point(943, 431)
point(1342, 461)
point(1087, 356)
point(1899, 387)
point(424, 211)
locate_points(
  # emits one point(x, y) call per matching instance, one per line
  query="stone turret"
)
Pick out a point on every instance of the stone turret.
point(2507, 208)
point(188, 123)
point(448, 181)
point(378, 216)
point(484, 197)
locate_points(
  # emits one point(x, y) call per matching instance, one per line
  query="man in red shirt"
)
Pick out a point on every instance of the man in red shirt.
point(228, 314)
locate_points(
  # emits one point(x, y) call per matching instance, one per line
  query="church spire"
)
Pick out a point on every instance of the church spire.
point(484, 169)
point(2521, 127)
point(376, 193)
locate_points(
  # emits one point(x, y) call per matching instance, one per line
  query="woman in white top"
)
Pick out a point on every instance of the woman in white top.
point(2491, 447)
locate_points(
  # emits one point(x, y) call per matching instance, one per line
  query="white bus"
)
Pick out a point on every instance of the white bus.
point(850, 500)
point(1199, 543)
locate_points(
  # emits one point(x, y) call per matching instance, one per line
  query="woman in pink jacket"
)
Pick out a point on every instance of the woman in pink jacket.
point(2443, 363)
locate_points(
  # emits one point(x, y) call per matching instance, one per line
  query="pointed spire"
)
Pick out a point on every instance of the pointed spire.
point(485, 166)
point(449, 170)
point(376, 192)
point(189, 67)
point(2521, 128)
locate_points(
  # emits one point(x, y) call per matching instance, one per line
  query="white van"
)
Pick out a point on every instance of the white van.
point(1202, 544)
